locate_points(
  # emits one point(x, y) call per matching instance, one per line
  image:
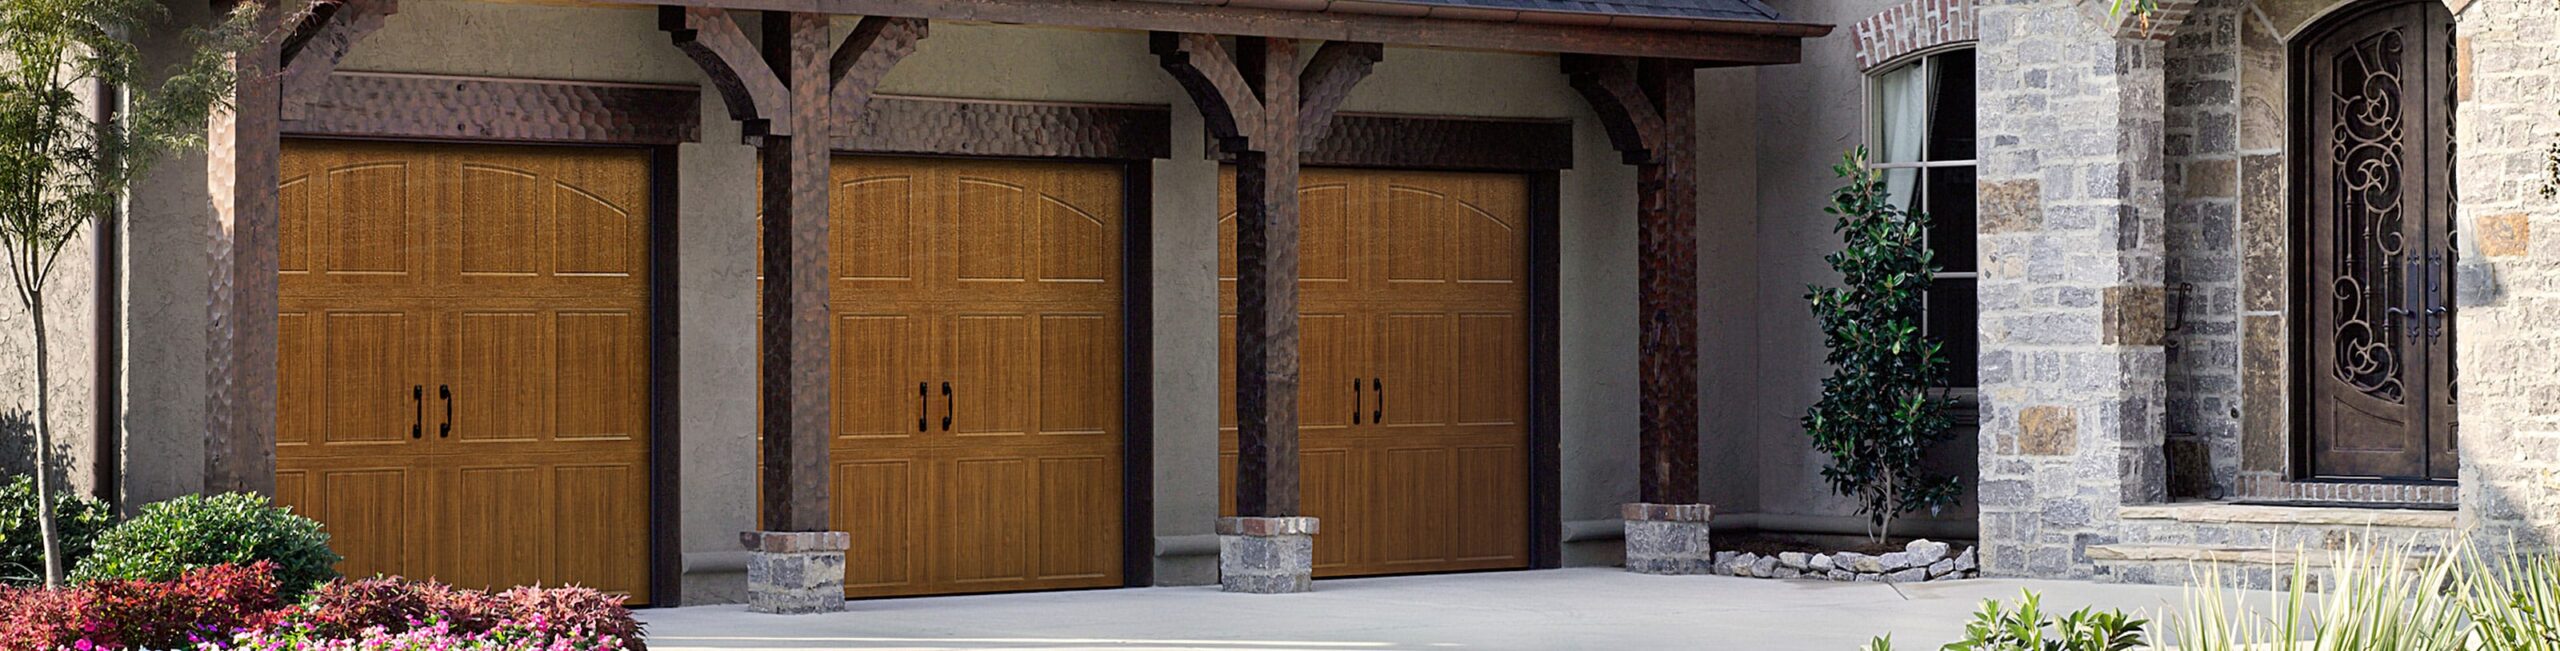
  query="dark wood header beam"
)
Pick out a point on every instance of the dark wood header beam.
point(786, 94)
point(1256, 104)
point(1650, 113)
point(1732, 41)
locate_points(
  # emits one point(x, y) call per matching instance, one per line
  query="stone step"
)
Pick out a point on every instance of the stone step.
point(2256, 568)
point(2319, 516)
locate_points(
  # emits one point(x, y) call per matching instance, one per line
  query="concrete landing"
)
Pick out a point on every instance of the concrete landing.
point(1589, 608)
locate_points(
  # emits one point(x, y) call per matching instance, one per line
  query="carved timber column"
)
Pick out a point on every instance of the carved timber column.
point(1649, 110)
point(784, 96)
point(243, 148)
point(1263, 107)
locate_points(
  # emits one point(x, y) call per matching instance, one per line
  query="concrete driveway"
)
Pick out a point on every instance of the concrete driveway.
point(1588, 608)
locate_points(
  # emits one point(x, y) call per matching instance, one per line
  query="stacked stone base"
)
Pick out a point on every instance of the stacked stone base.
point(1669, 538)
point(1920, 561)
point(1266, 555)
point(795, 572)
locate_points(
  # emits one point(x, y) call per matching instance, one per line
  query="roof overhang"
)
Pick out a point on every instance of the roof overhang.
point(1705, 41)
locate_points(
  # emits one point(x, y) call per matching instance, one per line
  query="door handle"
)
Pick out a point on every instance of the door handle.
point(2436, 309)
point(445, 430)
point(921, 407)
point(950, 407)
point(2413, 297)
point(1355, 401)
point(418, 395)
point(1378, 416)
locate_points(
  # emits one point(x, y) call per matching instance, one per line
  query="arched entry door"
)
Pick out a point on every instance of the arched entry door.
point(2374, 112)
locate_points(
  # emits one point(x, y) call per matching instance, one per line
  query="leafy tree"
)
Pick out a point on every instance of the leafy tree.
point(1881, 410)
point(61, 168)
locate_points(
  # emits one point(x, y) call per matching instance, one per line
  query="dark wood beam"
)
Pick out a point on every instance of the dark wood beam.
point(877, 44)
point(755, 94)
point(785, 95)
point(243, 147)
point(1255, 107)
point(1731, 41)
point(1327, 81)
point(331, 30)
point(1650, 112)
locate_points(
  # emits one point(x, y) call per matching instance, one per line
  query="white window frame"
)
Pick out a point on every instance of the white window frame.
point(1873, 129)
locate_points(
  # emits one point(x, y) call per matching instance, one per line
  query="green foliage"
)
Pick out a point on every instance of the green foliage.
point(2028, 628)
point(2376, 598)
point(61, 167)
point(196, 531)
point(1880, 413)
point(80, 517)
point(2514, 605)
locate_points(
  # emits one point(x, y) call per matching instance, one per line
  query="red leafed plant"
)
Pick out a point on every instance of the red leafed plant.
point(571, 607)
point(346, 607)
point(205, 604)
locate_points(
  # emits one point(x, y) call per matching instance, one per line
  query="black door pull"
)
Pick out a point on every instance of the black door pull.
point(921, 407)
point(445, 430)
point(1355, 401)
point(950, 407)
point(418, 394)
point(1379, 416)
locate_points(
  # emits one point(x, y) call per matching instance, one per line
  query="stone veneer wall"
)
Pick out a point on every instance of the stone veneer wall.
point(2114, 166)
point(2507, 120)
point(2073, 382)
point(2202, 77)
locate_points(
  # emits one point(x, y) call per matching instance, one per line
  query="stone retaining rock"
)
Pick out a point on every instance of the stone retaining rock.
point(1922, 560)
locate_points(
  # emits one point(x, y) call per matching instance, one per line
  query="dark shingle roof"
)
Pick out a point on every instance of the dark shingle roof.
point(1692, 9)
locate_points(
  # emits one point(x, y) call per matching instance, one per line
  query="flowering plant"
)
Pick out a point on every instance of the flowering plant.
point(437, 634)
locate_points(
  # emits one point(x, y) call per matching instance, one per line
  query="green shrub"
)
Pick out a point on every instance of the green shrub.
point(2029, 629)
point(1881, 410)
point(79, 519)
point(196, 531)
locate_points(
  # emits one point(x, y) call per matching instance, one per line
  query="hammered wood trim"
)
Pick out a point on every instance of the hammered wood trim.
point(964, 127)
point(429, 107)
point(1430, 142)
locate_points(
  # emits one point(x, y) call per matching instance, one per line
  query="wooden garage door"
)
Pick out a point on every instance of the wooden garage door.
point(462, 351)
point(977, 375)
point(1413, 385)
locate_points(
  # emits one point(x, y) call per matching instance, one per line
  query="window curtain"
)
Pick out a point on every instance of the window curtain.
point(1902, 96)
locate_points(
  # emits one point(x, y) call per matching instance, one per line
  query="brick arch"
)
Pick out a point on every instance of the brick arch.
point(1913, 26)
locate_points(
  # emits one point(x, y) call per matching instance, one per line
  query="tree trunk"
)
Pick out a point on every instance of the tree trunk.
point(44, 443)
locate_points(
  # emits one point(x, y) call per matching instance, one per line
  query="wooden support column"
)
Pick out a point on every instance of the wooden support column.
point(1266, 109)
point(1649, 109)
point(784, 96)
point(243, 152)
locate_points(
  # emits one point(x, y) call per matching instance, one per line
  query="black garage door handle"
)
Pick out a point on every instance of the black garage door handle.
point(418, 395)
point(445, 430)
point(950, 407)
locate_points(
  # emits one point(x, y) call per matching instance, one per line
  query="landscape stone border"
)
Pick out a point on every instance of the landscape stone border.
point(1922, 560)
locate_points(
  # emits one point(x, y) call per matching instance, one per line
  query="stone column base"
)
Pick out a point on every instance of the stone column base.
point(795, 572)
point(1668, 538)
point(1266, 555)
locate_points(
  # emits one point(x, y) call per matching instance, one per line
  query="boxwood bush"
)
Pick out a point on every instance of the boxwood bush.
point(80, 517)
point(197, 531)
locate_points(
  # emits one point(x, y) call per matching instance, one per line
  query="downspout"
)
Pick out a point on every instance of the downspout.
point(106, 393)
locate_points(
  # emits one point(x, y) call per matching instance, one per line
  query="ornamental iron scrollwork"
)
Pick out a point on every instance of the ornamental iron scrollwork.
point(2365, 151)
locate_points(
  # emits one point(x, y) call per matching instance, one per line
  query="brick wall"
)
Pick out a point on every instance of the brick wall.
point(2509, 360)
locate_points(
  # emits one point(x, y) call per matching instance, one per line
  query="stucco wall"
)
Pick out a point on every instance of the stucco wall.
point(70, 298)
point(1024, 63)
point(1809, 114)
